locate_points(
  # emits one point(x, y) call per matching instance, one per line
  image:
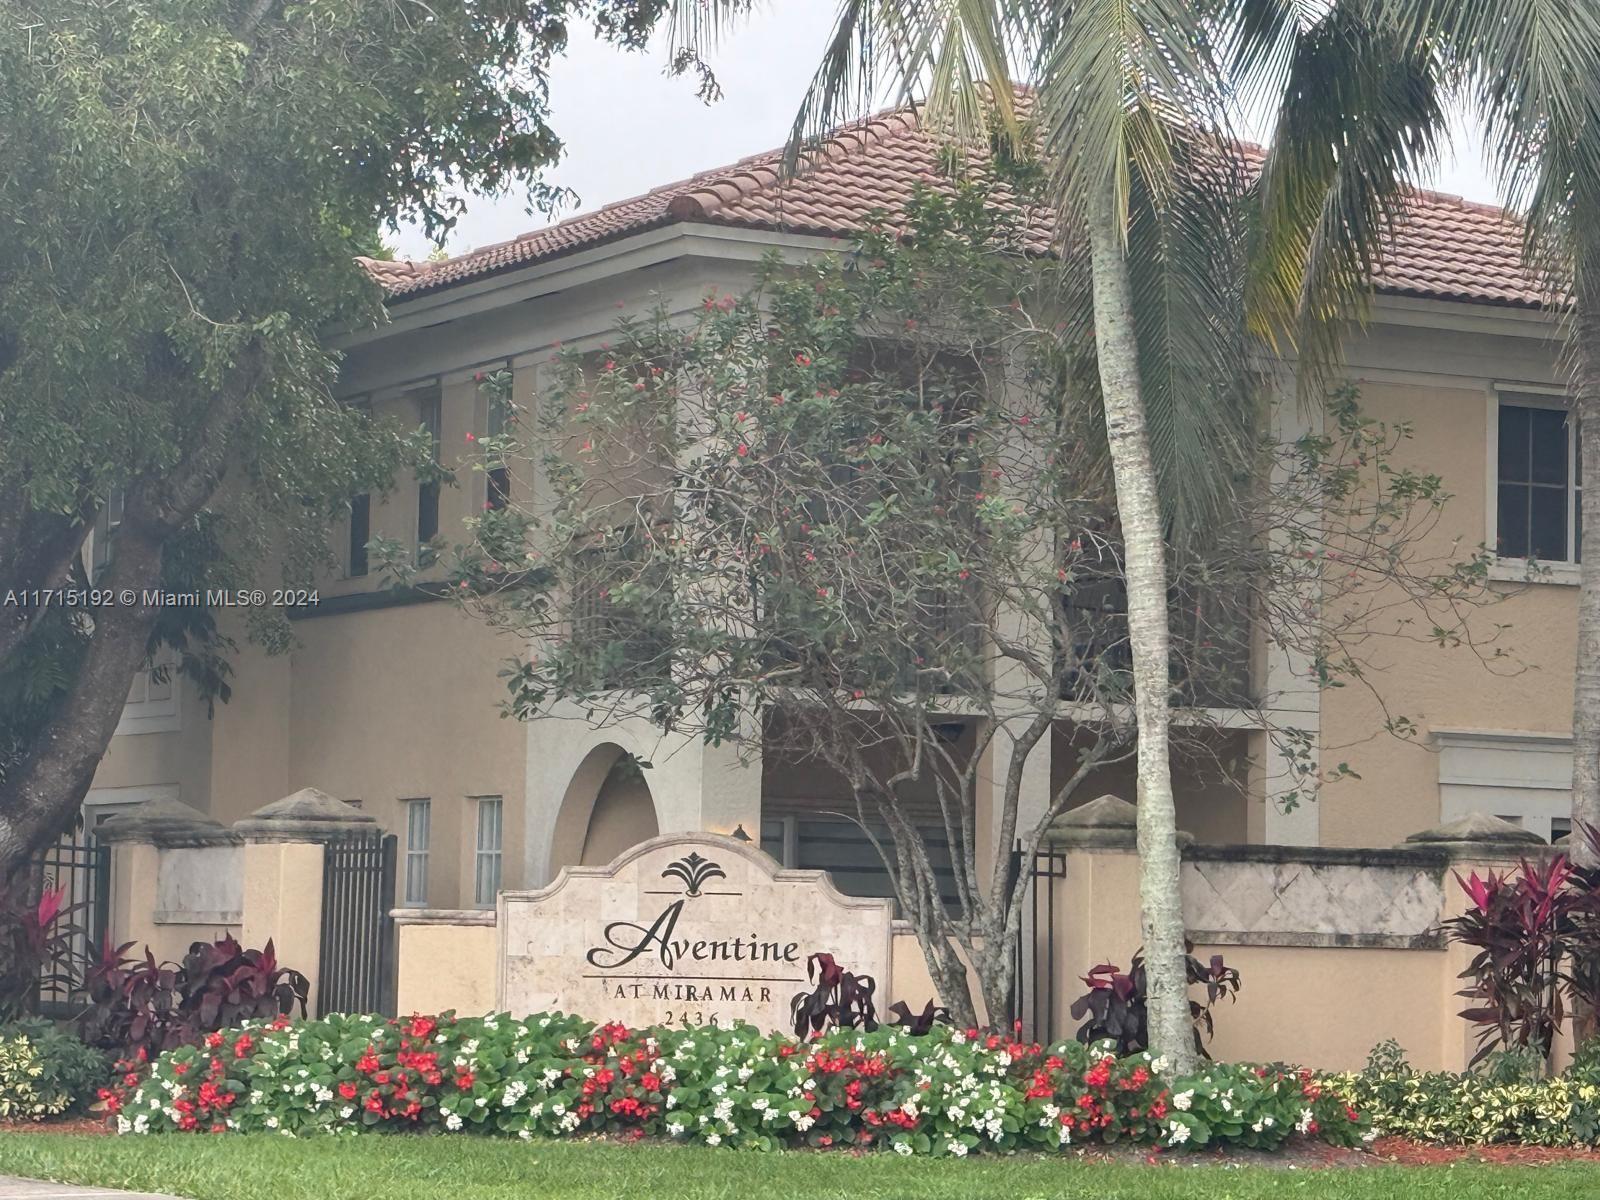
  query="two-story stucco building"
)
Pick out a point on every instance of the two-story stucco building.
point(393, 702)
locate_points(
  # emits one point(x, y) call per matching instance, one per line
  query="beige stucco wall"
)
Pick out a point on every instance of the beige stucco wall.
point(1328, 1006)
point(446, 965)
point(1450, 688)
point(400, 703)
point(179, 757)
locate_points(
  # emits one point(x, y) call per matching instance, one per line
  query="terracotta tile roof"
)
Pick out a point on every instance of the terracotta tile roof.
point(1446, 248)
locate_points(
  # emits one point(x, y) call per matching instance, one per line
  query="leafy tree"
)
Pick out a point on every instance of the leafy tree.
point(862, 517)
point(187, 186)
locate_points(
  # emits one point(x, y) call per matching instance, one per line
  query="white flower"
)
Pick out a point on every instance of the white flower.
point(713, 1139)
point(1227, 1105)
point(272, 1122)
point(1182, 1101)
point(345, 1112)
point(481, 1101)
point(803, 1121)
point(959, 1149)
point(1269, 1121)
point(902, 1148)
point(526, 1135)
point(1257, 1127)
point(1304, 1124)
point(1177, 1134)
point(452, 1122)
point(675, 1128)
point(760, 1103)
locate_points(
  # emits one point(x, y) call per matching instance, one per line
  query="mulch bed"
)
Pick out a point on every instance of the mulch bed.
point(1418, 1154)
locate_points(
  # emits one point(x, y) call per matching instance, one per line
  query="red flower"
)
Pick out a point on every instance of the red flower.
point(651, 1082)
point(465, 1079)
point(347, 1090)
point(803, 360)
point(242, 1047)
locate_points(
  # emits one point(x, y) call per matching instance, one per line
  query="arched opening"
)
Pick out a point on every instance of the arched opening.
point(624, 815)
point(606, 809)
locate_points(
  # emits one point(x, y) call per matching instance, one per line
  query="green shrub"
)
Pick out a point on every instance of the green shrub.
point(1503, 1102)
point(947, 1092)
point(44, 1071)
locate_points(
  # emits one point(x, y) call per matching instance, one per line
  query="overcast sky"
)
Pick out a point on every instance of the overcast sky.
point(629, 128)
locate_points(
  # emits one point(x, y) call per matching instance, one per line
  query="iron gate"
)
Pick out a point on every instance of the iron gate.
point(1034, 994)
point(356, 966)
point(83, 870)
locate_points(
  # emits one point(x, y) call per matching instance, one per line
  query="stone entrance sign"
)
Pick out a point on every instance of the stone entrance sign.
point(684, 929)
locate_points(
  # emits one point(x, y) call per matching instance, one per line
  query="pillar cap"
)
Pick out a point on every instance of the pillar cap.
point(309, 815)
point(1106, 823)
point(165, 822)
point(1477, 835)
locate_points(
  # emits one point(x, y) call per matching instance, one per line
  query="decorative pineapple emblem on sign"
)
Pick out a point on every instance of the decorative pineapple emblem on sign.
point(695, 872)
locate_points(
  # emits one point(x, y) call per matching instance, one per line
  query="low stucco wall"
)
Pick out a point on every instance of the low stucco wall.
point(447, 961)
point(1328, 1006)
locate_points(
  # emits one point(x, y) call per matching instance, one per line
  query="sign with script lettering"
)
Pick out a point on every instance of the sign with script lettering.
point(685, 929)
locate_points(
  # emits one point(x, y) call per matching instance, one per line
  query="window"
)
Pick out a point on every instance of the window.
point(360, 534)
point(1524, 778)
point(498, 492)
point(486, 864)
point(428, 492)
point(105, 528)
point(152, 703)
point(419, 817)
point(1538, 511)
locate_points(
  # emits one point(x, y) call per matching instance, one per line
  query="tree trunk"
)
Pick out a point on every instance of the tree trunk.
point(1585, 348)
point(41, 795)
point(1138, 507)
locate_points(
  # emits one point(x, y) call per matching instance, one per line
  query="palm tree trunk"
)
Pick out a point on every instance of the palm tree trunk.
point(1138, 507)
point(1585, 348)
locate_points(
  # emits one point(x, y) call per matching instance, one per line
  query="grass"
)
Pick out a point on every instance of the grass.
point(403, 1168)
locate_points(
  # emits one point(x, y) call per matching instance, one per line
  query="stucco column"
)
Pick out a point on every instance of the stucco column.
point(160, 838)
point(1285, 677)
point(285, 844)
point(1097, 902)
point(1481, 843)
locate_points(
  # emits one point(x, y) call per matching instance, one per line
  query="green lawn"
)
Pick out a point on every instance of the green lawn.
point(400, 1168)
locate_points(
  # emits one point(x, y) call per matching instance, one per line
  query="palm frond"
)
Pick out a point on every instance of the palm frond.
point(1362, 115)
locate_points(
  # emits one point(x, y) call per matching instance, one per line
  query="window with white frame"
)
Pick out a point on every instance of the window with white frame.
point(419, 818)
point(486, 862)
point(1538, 480)
point(1524, 777)
point(105, 529)
point(153, 705)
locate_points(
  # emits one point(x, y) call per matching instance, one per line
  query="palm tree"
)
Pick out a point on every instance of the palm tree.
point(1125, 95)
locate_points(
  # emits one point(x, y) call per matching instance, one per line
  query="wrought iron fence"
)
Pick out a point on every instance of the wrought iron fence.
point(83, 868)
point(356, 965)
point(1034, 992)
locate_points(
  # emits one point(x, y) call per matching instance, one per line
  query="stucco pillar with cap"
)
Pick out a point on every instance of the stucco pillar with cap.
point(284, 844)
point(175, 878)
point(1097, 903)
point(1475, 842)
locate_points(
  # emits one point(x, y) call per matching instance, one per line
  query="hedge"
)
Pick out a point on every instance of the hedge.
point(553, 1075)
point(44, 1072)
